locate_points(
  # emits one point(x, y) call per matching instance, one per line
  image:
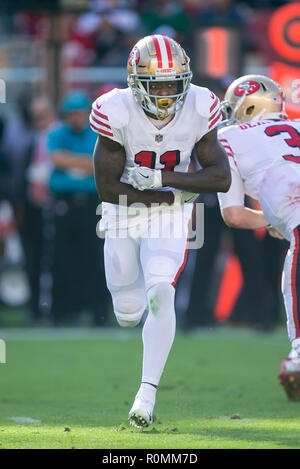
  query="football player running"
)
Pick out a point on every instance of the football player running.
point(148, 132)
point(263, 148)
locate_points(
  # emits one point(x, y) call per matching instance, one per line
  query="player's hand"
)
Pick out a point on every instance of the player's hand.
point(142, 178)
point(184, 197)
point(274, 233)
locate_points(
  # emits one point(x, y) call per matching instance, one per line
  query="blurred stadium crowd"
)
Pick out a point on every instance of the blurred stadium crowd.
point(51, 261)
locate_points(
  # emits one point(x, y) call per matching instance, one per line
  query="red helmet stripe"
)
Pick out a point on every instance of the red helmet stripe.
point(157, 50)
point(167, 44)
point(281, 97)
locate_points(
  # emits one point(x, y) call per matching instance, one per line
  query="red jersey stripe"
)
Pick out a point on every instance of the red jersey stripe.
point(212, 107)
point(100, 122)
point(170, 59)
point(99, 114)
point(182, 265)
point(158, 52)
point(229, 154)
point(227, 146)
point(294, 282)
point(214, 115)
point(101, 131)
point(215, 120)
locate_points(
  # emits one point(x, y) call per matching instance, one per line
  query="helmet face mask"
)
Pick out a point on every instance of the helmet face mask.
point(158, 59)
point(252, 98)
point(228, 114)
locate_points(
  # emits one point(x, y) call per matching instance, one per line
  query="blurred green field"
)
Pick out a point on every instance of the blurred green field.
point(76, 386)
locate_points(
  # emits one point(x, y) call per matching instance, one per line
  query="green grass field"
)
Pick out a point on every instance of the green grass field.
point(219, 390)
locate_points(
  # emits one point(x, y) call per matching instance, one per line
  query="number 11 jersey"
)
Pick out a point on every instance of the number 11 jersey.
point(117, 116)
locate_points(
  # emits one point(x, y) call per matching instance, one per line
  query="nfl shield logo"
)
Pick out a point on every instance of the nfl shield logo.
point(158, 138)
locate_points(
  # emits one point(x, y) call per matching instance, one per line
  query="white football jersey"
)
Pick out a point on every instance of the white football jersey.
point(265, 163)
point(117, 116)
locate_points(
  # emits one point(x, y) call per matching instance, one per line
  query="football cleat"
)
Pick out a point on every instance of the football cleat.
point(289, 378)
point(140, 415)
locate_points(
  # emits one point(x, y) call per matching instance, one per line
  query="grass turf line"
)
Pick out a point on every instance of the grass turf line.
point(80, 385)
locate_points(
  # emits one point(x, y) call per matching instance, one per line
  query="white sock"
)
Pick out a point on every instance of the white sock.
point(295, 350)
point(147, 391)
point(292, 354)
point(158, 331)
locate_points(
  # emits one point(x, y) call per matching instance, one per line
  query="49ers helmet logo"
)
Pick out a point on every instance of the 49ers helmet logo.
point(246, 88)
point(134, 56)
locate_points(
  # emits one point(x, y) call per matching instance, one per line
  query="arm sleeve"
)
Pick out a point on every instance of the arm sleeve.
point(236, 195)
point(106, 118)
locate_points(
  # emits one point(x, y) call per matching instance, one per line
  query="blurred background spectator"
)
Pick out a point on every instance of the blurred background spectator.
point(78, 278)
point(220, 12)
point(5, 178)
point(34, 196)
point(16, 150)
point(166, 13)
point(73, 55)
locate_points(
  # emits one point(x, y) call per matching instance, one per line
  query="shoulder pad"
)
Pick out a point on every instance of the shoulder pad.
point(232, 138)
point(109, 112)
point(208, 106)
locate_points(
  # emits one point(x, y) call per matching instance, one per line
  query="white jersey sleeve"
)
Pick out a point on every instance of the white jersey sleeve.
point(236, 194)
point(109, 116)
point(208, 107)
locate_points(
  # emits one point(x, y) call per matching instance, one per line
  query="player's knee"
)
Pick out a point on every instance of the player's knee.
point(161, 298)
point(129, 310)
point(130, 323)
point(161, 289)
